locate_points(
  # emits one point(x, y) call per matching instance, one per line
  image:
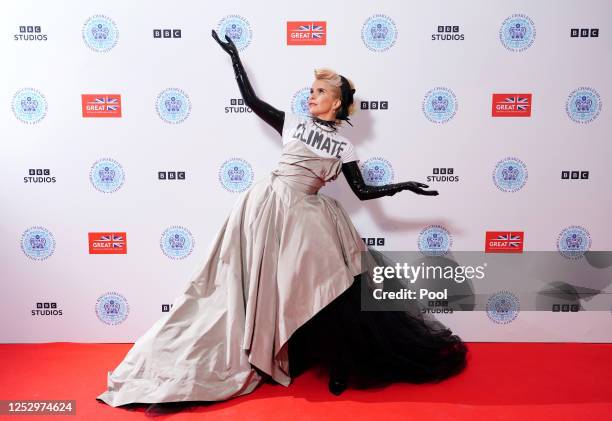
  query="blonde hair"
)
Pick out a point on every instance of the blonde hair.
point(333, 78)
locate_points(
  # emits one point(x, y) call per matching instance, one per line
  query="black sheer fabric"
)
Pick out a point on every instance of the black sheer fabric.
point(374, 348)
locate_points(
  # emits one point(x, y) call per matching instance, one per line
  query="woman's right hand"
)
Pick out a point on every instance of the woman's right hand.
point(228, 46)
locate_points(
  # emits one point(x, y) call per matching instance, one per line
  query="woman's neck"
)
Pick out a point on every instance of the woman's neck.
point(332, 124)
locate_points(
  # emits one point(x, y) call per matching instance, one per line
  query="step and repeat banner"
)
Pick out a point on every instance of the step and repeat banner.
point(125, 143)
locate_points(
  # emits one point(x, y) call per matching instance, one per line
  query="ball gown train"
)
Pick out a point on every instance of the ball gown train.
point(279, 289)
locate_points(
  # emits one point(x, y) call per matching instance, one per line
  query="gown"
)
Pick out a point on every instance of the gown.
point(283, 255)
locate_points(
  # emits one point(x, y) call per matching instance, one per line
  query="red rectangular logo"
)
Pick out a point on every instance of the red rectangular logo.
point(101, 105)
point(511, 105)
point(306, 33)
point(504, 241)
point(107, 243)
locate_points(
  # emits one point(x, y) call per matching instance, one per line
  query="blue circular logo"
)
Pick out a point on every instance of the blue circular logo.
point(379, 33)
point(177, 242)
point(503, 307)
point(238, 29)
point(100, 33)
point(510, 174)
point(107, 175)
point(299, 102)
point(236, 175)
point(435, 240)
point(573, 242)
point(517, 32)
point(112, 308)
point(583, 105)
point(29, 105)
point(173, 105)
point(440, 105)
point(37, 243)
point(377, 171)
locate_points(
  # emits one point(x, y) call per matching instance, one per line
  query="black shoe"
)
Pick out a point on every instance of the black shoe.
point(157, 409)
point(338, 380)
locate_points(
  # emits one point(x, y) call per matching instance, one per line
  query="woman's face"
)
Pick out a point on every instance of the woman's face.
point(323, 102)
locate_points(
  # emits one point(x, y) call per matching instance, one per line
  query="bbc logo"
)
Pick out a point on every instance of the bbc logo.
point(171, 175)
point(29, 29)
point(166, 33)
point(574, 175)
point(565, 308)
point(374, 105)
point(443, 171)
point(585, 32)
point(448, 28)
point(38, 171)
point(374, 241)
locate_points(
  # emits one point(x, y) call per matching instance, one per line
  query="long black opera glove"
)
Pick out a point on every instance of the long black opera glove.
point(265, 111)
point(353, 176)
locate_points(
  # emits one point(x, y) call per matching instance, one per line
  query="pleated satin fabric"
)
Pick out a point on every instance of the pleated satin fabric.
point(284, 252)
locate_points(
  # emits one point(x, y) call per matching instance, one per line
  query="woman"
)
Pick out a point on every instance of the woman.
point(284, 265)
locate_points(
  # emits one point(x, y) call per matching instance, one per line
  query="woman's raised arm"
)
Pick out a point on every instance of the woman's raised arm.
point(353, 176)
point(265, 111)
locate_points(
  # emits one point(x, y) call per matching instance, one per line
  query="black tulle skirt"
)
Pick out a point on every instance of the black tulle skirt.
point(376, 347)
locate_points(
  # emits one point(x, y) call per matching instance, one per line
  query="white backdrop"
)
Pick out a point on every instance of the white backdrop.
point(63, 67)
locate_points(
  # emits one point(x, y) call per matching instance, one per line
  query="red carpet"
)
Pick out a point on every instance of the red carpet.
point(526, 381)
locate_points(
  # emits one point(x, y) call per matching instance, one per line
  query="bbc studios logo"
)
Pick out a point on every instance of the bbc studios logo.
point(30, 33)
point(39, 175)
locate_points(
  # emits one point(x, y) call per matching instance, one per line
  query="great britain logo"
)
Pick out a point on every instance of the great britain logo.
point(379, 33)
point(100, 33)
point(177, 242)
point(377, 171)
point(173, 105)
point(37, 243)
point(29, 105)
point(583, 105)
point(236, 175)
point(510, 174)
point(517, 32)
point(440, 105)
point(238, 29)
point(107, 175)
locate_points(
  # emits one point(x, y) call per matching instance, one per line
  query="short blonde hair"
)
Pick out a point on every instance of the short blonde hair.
point(333, 78)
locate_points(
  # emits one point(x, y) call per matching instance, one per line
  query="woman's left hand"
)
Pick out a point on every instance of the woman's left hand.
point(416, 187)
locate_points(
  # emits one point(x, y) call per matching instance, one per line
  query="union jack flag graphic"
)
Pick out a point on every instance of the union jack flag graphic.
point(317, 31)
point(513, 240)
point(112, 104)
point(116, 241)
point(522, 103)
